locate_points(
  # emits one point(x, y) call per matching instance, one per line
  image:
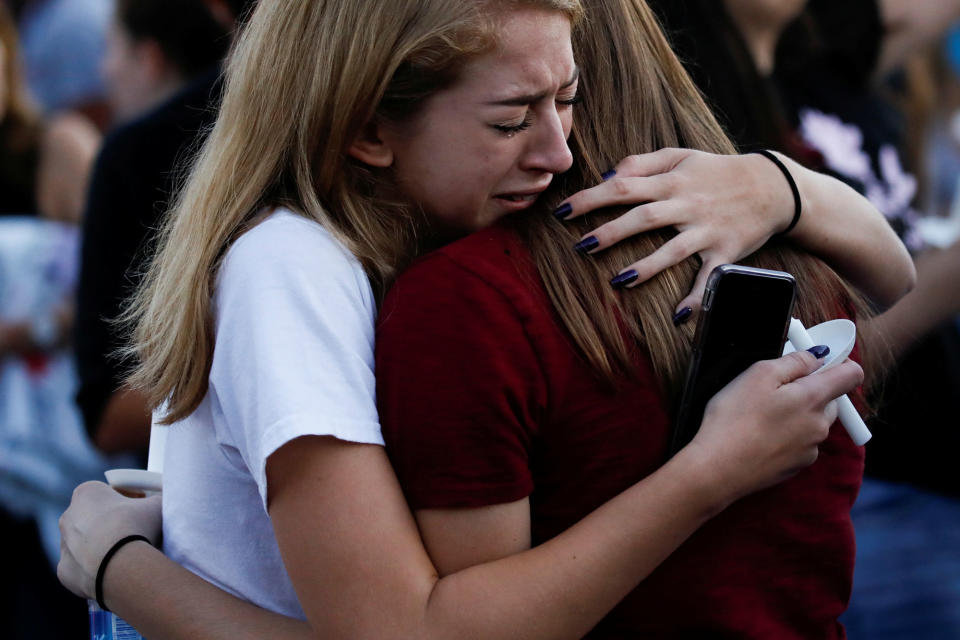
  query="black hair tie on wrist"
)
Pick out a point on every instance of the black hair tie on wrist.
point(793, 188)
point(98, 584)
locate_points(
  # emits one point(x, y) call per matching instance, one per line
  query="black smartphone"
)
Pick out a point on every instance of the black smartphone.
point(744, 319)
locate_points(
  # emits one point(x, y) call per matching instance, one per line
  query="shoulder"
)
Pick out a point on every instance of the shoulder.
point(481, 289)
point(69, 141)
point(494, 260)
point(286, 249)
point(70, 130)
point(283, 235)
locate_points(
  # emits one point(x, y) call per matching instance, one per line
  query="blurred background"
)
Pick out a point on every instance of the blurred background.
point(102, 102)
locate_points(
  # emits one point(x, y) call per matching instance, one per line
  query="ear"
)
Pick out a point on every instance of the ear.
point(370, 147)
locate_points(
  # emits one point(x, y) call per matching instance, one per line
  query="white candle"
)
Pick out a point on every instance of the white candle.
point(846, 412)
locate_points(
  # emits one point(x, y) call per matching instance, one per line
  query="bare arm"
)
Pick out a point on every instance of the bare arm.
point(727, 207)
point(382, 576)
point(380, 567)
point(354, 555)
point(848, 233)
point(191, 607)
point(125, 424)
point(934, 301)
point(67, 152)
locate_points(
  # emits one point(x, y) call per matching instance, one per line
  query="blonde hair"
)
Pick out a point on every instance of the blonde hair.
point(638, 98)
point(301, 83)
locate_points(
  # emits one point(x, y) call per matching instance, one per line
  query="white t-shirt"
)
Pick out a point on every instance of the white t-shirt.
point(294, 317)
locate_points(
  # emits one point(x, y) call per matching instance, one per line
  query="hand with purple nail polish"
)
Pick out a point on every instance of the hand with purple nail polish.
point(768, 423)
point(725, 207)
point(712, 200)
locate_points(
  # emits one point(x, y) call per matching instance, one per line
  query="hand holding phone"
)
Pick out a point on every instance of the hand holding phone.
point(744, 319)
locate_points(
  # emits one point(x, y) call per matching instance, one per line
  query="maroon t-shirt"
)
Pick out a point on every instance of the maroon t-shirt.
point(484, 400)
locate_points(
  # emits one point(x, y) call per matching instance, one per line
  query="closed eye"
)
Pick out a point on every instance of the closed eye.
point(511, 129)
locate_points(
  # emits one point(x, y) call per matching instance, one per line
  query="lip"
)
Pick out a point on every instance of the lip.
point(518, 200)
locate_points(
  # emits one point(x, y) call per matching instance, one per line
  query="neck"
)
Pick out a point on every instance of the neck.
point(762, 47)
point(760, 32)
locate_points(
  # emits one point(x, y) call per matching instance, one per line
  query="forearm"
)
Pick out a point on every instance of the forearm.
point(848, 233)
point(183, 606)
point(934, 300)
point(125, 425)
point(559, 589)
point(563, 587)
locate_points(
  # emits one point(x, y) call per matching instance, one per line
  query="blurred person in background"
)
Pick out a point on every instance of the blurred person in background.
point(43, 449)
point(61, 45)
point(43, 168)
point(154, 48)
point(64, 42)
point(934, 107)
point(802, 77)
point(171, 68)
point(44, 165)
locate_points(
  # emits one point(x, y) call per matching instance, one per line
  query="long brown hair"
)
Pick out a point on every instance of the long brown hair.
point(301, 83)
point(638, 98)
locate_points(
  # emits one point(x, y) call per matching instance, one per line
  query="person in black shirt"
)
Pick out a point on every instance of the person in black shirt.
point(134, 177)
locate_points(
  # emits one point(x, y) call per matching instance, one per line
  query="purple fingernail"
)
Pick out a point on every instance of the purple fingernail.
point(606, 175)
point(682, 316)
point(820, 351)
point(624, 279)
point(563, 211)
point(587, 245)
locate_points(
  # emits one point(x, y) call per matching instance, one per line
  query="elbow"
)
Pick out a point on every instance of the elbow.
point(910, 279)
point(902, 280)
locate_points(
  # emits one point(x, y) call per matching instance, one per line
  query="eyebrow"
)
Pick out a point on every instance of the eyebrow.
point(519, 101)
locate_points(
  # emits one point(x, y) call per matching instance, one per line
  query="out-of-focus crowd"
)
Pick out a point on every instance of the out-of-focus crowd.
point(86, 166)
point(101, 102)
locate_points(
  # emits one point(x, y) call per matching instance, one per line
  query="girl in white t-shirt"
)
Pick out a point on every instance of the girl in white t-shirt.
point(354, 135)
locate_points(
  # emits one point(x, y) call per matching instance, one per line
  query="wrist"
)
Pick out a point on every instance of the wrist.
point(789, 189)
point(711, 492)
point(108, 566)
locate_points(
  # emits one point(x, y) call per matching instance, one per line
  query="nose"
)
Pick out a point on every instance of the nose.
point(548, 149)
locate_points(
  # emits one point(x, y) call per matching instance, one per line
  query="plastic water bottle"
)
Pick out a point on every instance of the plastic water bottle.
point(105, 625)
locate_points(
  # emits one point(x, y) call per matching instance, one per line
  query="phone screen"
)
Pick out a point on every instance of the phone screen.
point(745, 317)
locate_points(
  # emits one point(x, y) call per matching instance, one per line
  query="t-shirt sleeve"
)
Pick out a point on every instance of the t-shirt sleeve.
point(294, 343)
point(460, 388)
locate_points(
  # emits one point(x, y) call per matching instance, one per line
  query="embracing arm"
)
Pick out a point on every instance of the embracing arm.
point(377, 580)
point(725, 207)
point(356, 560)
point(934, 301)
point(841, 227)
